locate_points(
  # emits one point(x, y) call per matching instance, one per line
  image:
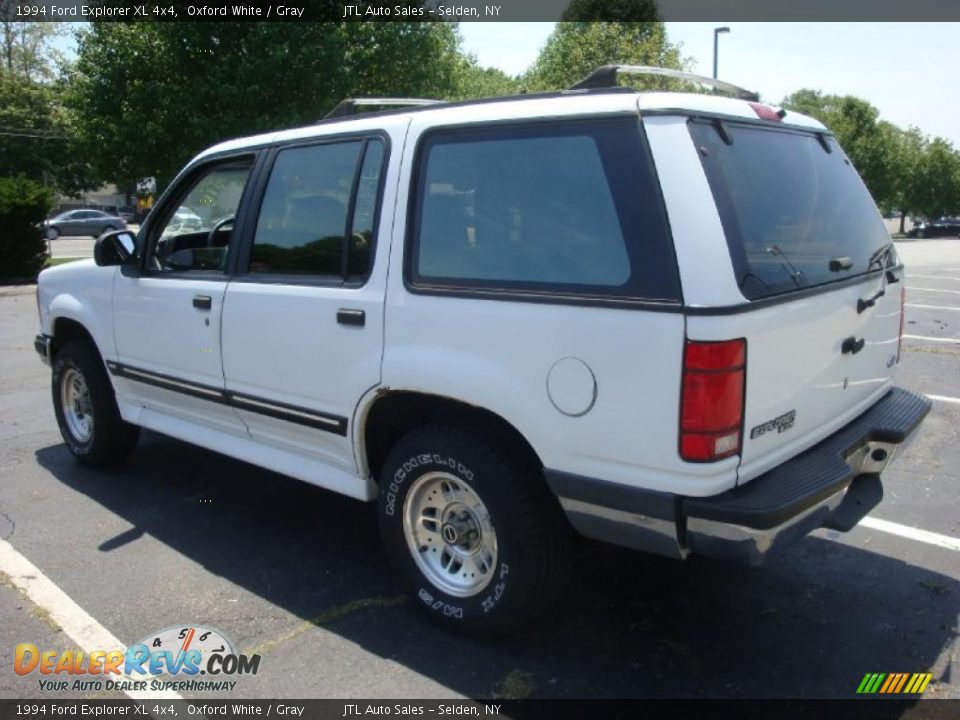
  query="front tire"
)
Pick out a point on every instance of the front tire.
point(86, 408)
point(473, 533)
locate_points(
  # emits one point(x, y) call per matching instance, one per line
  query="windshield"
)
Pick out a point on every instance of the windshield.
point(794, 211)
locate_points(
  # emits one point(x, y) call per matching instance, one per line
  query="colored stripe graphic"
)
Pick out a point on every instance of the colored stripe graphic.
point(894, 683)
point(918, 683)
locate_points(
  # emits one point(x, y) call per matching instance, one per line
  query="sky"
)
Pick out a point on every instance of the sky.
point(909, 71)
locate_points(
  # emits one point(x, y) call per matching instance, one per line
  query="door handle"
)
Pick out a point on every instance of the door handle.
point(202, 302)
point(348, 316)
point(852, 345)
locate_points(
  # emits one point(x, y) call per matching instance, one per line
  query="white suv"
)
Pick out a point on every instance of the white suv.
point(668, 320)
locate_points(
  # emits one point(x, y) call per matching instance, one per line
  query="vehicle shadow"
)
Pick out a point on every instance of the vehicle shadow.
point(629, 625)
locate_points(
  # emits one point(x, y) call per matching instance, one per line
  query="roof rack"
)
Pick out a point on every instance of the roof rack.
point(605, 76)
point(350, 105)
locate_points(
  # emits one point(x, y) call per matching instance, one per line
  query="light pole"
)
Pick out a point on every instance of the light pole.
point(716, 34)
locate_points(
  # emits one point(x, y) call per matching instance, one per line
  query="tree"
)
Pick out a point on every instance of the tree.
point(870, 147)
point(480, 82)
point(148, 96)
point(611, 10)
point(26, 48)
point(908, 148)
point(575, 49)
point(36, 140)
point(934, 188)
point(23, 205)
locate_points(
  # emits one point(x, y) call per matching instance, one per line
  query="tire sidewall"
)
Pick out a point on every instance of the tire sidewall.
point(410, 460)
point(67, 360)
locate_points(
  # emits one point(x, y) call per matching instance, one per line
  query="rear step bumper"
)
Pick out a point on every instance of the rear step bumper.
point(833, 484)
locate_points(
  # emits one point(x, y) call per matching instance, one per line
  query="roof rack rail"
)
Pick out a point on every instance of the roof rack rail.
point(605, 76)
point(351, 105)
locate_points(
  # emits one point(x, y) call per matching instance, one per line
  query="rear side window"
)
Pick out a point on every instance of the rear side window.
point(790, 203)
point(568, 207)
point(318, 211)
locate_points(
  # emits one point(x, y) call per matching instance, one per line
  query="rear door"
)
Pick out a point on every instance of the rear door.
point(303, 321)
point(814, 261)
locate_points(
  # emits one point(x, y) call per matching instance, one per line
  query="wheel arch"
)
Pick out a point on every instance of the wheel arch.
point(66, 329)
point(391, 414)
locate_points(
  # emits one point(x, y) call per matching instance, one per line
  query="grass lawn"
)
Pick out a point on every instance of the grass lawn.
point(60, 261)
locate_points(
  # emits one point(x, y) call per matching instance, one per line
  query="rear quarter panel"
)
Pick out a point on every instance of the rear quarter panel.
point(498, 354)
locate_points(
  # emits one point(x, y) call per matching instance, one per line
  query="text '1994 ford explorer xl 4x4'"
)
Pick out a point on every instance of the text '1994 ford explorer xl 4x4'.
point(669, 320)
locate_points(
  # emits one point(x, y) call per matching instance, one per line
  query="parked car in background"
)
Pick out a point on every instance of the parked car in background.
point(83, 222)
point(941, 227)
point(128, 213)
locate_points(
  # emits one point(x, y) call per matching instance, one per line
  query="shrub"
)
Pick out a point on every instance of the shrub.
point(24, 204)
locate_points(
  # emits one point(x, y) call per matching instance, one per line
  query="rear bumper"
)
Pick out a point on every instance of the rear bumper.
point(833, 484)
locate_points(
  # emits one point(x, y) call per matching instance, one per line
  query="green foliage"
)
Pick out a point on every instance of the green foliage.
point(902, 169)
point(474, 81)
point(611, 10)
point(854, 121)
point(148, 96)
point(36, 139)
point(23, 206)
point(26, 48)
point(575, 49)
point(934, 188)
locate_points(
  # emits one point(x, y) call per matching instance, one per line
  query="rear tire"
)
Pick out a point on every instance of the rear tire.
point(476, 537)
point(86, 408)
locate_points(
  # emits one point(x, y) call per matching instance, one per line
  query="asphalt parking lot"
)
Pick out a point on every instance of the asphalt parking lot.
point(182, 536)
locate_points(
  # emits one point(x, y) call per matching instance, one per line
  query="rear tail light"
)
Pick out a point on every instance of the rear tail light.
point(903, 302)
point(711, 399)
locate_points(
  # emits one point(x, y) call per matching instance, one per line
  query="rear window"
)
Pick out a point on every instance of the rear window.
point(567, 207)
point(790, 203)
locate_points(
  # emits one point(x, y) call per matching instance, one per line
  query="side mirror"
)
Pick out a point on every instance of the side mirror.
point(115, 248)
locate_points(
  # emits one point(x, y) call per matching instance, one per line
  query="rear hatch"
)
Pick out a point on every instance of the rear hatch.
point(814, 260)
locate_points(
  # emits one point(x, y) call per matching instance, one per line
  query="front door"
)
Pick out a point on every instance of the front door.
point(167, 315)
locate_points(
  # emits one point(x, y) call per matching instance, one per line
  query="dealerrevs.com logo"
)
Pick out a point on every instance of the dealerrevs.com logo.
point(178, 659)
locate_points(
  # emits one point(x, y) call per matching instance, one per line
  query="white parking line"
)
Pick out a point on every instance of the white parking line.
point(952, 292)
point(73, 619)
point(944, 398)
point(932, 277)
point(934, 307)
point(911, 533)
point(931, 339)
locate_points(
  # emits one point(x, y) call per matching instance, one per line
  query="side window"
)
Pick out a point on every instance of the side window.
point(197, 234)
point(365, 212)
point(568, 207)
point(306, 226)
